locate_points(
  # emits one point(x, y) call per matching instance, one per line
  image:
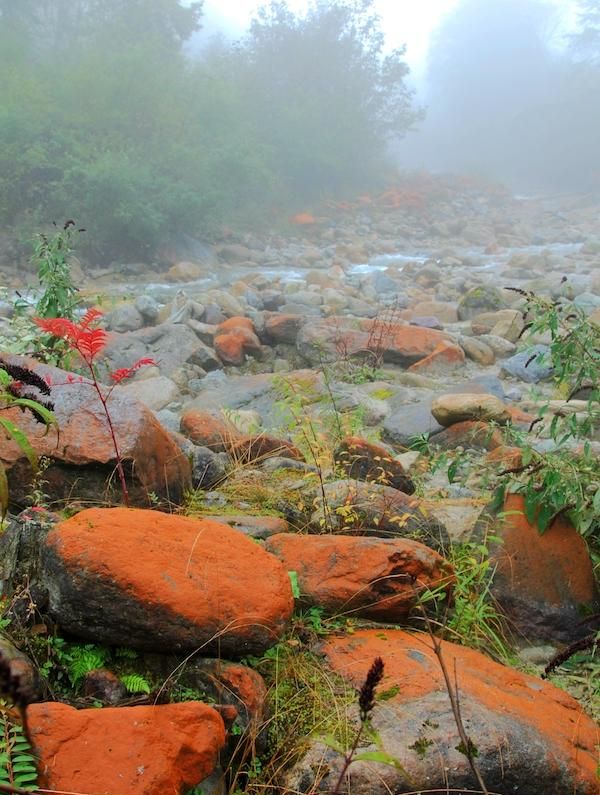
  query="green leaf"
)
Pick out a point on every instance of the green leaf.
point(330, 741)
point(21, 439)
point(380, 756)
point(43, 413)
point(293, 575)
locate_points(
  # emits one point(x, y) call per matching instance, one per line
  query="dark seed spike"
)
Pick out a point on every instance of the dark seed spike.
point(366, 696)
point(26, 376)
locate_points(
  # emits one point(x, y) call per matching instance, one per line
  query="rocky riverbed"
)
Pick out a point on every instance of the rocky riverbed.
point(303, 385)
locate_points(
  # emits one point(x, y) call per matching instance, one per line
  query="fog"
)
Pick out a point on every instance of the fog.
point(512, 92)
point(135, 117)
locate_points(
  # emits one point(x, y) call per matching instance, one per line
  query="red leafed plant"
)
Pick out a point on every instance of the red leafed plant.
point(88, 340)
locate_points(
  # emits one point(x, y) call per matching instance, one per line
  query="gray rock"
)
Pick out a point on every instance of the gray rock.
point(480, 299)
point(208, 468)
point(124, 318)
point(156, 393)
point(169, 344)
point(527, 365)
point(148, 308)
point(409, 423)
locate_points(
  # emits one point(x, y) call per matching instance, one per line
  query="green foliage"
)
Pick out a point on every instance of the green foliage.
point(136, 683)
point(67, 664)
point(475, 620)
point(565, 481)
point(17, 761)
point(51, 256)
point(15, 384)
point(101, 109)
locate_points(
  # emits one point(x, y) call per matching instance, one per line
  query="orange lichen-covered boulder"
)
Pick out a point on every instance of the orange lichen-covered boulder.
point(445, 357)
point(531, 737)
point(377, 578)
point(340, 337)
point(246, 449)
point(234, 338)
point(476, 435)
point(544, 581)
point(163, 582)
point(148, 750)
point(208, 429)
point(364, 460)
point(232, 346)
point(81, 451)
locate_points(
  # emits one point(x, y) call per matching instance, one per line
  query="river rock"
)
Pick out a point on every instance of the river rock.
point(529, 365)
point(146, 750)
point(363, 460)
point(450, 409)
point(81, 453)
point(376, 578)
point(351, 506)
point(484, 298)
point(163, 582)
point(530, 737)
point(169, 344)
point(545, 581)
point(478, 351)
point(155, 393)
point(410, 423)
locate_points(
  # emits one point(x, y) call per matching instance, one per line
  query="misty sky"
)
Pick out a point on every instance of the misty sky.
point(404, 21)
point(409, 22)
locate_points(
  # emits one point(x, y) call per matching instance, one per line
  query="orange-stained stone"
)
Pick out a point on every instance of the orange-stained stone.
point(377, 578)
point(164, 582)
point(207, 430)
point(477, 435)
point(235, 322)
point(445, 355)
point(148, 750)
point(303, 219)
point(557, 734)
point(545, 581)
point(232, 346)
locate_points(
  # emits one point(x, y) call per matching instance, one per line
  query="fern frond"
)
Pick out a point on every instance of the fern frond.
point(136, 683)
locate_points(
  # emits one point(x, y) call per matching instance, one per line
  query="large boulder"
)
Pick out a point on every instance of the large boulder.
point(163, 582)
point(449, 409)
point(363, 460)
point(350, 506)
point(530, 737)
point(338, 338)
point(148, 750)
point(171, 345)
point(544, 582)
point(477, 300)
point(376, 578)
point(81, 452)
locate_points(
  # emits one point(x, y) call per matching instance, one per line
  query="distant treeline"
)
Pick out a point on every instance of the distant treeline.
point(513, 92)
point(105, 118)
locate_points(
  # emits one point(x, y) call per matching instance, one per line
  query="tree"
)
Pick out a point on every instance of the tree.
point(586, 42)
point(327, 95)
point(63, 25)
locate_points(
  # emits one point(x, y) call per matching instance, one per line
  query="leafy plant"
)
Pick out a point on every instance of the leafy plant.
point(21, 388)
point(89, 341)
point(135, 683)
point(564, 481)
point(51, 256)
point(475, 619)
point(366, 705)
point(17, 760)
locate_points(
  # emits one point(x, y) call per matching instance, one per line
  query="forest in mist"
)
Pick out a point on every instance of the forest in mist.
point(106, 116)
